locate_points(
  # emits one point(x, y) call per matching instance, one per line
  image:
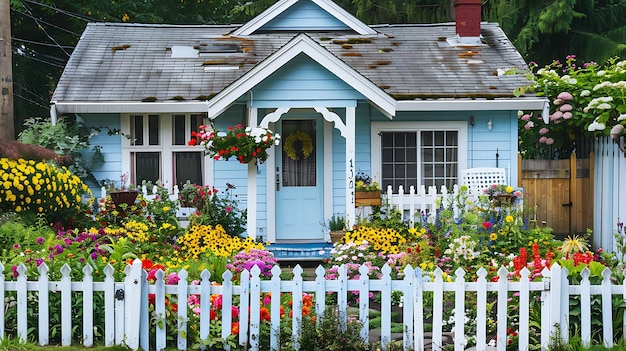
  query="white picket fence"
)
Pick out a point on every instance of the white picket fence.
point(609, 204)
point(127, 318)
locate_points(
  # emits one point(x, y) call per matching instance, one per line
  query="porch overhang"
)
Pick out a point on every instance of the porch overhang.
point(524, 104)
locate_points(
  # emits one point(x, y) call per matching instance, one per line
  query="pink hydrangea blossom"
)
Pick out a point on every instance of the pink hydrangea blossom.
point(544, 131)
point(565, 96)
point(525, 117)
point(549, 141)
point(567, 115)
point(542, 140)
point(566, 108)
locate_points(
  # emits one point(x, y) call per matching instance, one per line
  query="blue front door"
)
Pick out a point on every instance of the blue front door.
point(299, 172)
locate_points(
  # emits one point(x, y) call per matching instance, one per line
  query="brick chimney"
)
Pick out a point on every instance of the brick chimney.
point(468, 18)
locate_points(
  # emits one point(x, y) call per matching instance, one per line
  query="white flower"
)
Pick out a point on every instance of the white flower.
point(602, 85)
point(596, 126)
point(221, 134)
point(620, 85)
point(621, 117)
point(585, 93)
point(604, 106)
point(601, 73)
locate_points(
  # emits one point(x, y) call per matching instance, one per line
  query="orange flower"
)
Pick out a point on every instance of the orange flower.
point(234, 328)
point(305, 311)
point(265, 314)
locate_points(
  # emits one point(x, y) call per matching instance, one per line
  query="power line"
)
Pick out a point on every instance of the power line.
point(65, 12)
point(40, 43)
point(37, 20)
point(29, 100)
point(44, 30)
point(32, 57)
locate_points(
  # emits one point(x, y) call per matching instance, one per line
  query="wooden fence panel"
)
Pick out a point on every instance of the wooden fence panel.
point(560, 193)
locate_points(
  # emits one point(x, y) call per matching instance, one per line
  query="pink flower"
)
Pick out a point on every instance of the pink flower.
point(549, 141)
point(172, 278)
point(556, 115)
point(525, 117)
point(566, 108)
point(542, 140)
point(544, 131)
point(565, 96)
point(567, 115)
point(529, 125)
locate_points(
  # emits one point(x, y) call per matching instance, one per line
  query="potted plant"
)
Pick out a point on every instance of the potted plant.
point(337, 226)
point(124, 194)
point(243, 143)
point(366, 191)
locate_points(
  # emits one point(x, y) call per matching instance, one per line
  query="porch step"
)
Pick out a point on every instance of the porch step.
point(300, 251)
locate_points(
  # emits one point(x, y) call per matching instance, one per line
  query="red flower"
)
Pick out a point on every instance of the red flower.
point(487, 225)
point(192, 142)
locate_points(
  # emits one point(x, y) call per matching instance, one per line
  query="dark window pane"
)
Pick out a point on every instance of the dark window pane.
point(153, 127)
point(400, 155)
point(147, 166)
point(188, 167)
point(387, 139)
point(196, 122)
point(137, 129)
point(180, 137)
point(439, 138)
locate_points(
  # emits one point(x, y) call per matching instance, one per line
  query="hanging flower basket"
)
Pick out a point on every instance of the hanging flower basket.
point(244, 144)
point(127, 197)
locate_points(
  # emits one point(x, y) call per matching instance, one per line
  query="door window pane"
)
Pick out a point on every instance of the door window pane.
point(298, 169)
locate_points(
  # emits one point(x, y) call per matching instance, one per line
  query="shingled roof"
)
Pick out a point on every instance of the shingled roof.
point(138, 62)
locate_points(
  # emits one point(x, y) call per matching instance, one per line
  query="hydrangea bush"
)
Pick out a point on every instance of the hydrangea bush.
point(587, 99)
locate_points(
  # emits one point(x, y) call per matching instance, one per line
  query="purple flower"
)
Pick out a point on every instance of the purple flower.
point(40, 240)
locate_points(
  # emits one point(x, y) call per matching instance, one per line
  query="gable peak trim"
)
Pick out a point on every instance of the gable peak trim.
point(332, 8)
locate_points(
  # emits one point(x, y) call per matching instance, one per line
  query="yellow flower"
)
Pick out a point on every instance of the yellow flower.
point(166, 209)
point(509, 219)
point(493, 236)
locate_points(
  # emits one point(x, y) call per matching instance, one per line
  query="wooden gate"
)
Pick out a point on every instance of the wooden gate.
point(559, 193)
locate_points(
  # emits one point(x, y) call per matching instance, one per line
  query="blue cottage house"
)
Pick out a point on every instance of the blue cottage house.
point(409, 104)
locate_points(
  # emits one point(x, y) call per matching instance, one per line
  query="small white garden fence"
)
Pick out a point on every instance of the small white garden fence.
point(128, 320)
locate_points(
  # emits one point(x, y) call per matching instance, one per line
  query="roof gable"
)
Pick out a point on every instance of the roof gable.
point(301, 44)
point(287, 15)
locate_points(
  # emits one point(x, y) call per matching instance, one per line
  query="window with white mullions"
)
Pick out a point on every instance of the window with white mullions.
point(418, 153)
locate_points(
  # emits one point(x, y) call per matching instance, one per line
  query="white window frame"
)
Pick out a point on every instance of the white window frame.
point(417, 127)
point(165, 147)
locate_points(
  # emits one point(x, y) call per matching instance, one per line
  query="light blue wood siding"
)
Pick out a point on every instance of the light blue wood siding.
point(110, 147)
point(303, 83)
point(304, 16)
point(235, 173)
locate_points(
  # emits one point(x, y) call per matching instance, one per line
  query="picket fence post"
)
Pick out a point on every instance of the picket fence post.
point(418, 311)
point(159, 310)
point(502, 286)
point(66, 305)
point(87, 306)
point(607, 309)
point(182, 310)
point(385, 305)
point(481, 313)
point(275, 305)
point(22, 321)
point(2, 298)
point(44, 309)
point(132, 301)
point(407, 307)
point(255, 308)
point(205, 304)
